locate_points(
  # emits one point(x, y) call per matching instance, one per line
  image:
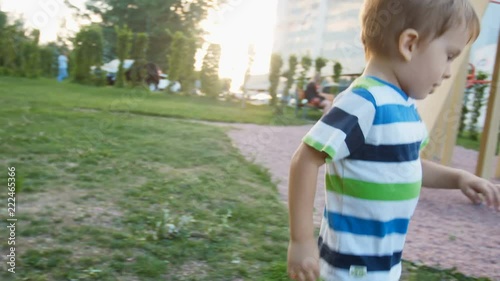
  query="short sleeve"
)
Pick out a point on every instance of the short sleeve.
point(345, 127)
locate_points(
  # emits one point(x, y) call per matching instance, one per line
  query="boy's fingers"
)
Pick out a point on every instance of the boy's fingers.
point(311, 276)
point(488, 193)
point(310, 265)
point(496, 192)
point(301, 276)
point(472, 195)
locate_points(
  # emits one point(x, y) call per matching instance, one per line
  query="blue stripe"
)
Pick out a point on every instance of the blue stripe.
point(354, 225)
point(343, 261)
point(364, 93)
point(348, 124)
point(394, 113)
point(387, 153)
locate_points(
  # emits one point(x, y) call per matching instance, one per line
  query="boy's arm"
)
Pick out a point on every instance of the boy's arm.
point(302, 189)
point(475, 188)
point(439, 176)
point(303, 254)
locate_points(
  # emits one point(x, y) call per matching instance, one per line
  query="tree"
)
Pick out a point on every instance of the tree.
point(48, 59)
point(306, 63)
point(188, 76)
point(337, 71)
point(210, 71)
point(274, 80)
point(122, 50)
point(12, 40)
point(175, 57)
point(30, 58)
point(290, 74)
point(319, 63)
point(87, 53)
point(139, 48)
point(160, 19)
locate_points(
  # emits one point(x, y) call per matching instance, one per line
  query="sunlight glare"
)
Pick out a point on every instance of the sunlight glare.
point(246, 22)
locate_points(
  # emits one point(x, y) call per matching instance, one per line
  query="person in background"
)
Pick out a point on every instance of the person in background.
point(62, 62)
point(315, 97)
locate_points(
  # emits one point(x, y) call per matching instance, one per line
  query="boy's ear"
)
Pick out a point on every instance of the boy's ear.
point(408, 43)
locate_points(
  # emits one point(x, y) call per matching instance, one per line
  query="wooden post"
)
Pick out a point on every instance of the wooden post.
point(452, 115)
point(497, 174)
point(489, 137)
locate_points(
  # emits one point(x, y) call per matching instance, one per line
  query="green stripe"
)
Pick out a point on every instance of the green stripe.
point(424, 143)
point(373, 191)
point(319, 146)
point(366, 83)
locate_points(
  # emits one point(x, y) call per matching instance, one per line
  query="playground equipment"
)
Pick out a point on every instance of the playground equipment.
point(471, 78)
point(441, 111)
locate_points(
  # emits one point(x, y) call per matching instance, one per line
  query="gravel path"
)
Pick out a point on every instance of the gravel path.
point(446, 230)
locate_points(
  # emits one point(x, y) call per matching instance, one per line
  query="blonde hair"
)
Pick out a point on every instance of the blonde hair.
point(383, 21)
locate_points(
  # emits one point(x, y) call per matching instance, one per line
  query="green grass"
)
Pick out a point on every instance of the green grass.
point(466, 142)
point(44, 92)
point(103, 195)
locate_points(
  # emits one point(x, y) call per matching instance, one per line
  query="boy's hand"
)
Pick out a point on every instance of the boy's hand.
point(303, 260)
point(478, 189)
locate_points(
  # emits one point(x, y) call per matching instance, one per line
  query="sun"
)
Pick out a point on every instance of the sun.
point(235, 27)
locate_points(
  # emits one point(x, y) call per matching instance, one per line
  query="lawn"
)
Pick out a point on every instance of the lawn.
point(112, 190)
point(44, 92)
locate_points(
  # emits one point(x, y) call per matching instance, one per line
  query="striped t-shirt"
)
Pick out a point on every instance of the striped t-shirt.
point(372, 135)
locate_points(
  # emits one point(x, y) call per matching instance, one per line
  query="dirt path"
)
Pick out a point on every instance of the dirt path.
point(446, 231)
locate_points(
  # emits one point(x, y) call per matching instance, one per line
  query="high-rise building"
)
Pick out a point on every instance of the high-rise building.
point(321, 28)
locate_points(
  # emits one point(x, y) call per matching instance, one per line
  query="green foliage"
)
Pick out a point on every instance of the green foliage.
point(210, 84)
point(337, 71)
point(139, 49)
point(181, 61)
point(48, 60)
point(465, 112)
point(87, 53)
point(124, 36)
point(306, 63)
point(30, 57)
point(159, 19)
point(290, 74)
point(274, 79)
point(175, 57)
point(319, 64)
point(19, 53)
point(478, 102)
point(188, 76)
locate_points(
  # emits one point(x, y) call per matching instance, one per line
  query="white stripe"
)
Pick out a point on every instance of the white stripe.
point(396, 133)
point(329, 273)
point(331, 137)
point(385, 95)
point(359, 107)
point(370, 209)
point(378, 172)
point(361, 245)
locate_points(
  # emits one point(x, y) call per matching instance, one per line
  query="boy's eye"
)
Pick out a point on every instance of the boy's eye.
point(451, 57)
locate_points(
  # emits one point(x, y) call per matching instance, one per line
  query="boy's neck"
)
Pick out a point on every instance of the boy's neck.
point(382, 69)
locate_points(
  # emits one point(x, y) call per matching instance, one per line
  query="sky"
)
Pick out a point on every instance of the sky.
point(49, 16)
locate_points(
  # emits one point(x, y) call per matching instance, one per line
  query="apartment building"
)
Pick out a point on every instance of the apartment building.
point(326, 28)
